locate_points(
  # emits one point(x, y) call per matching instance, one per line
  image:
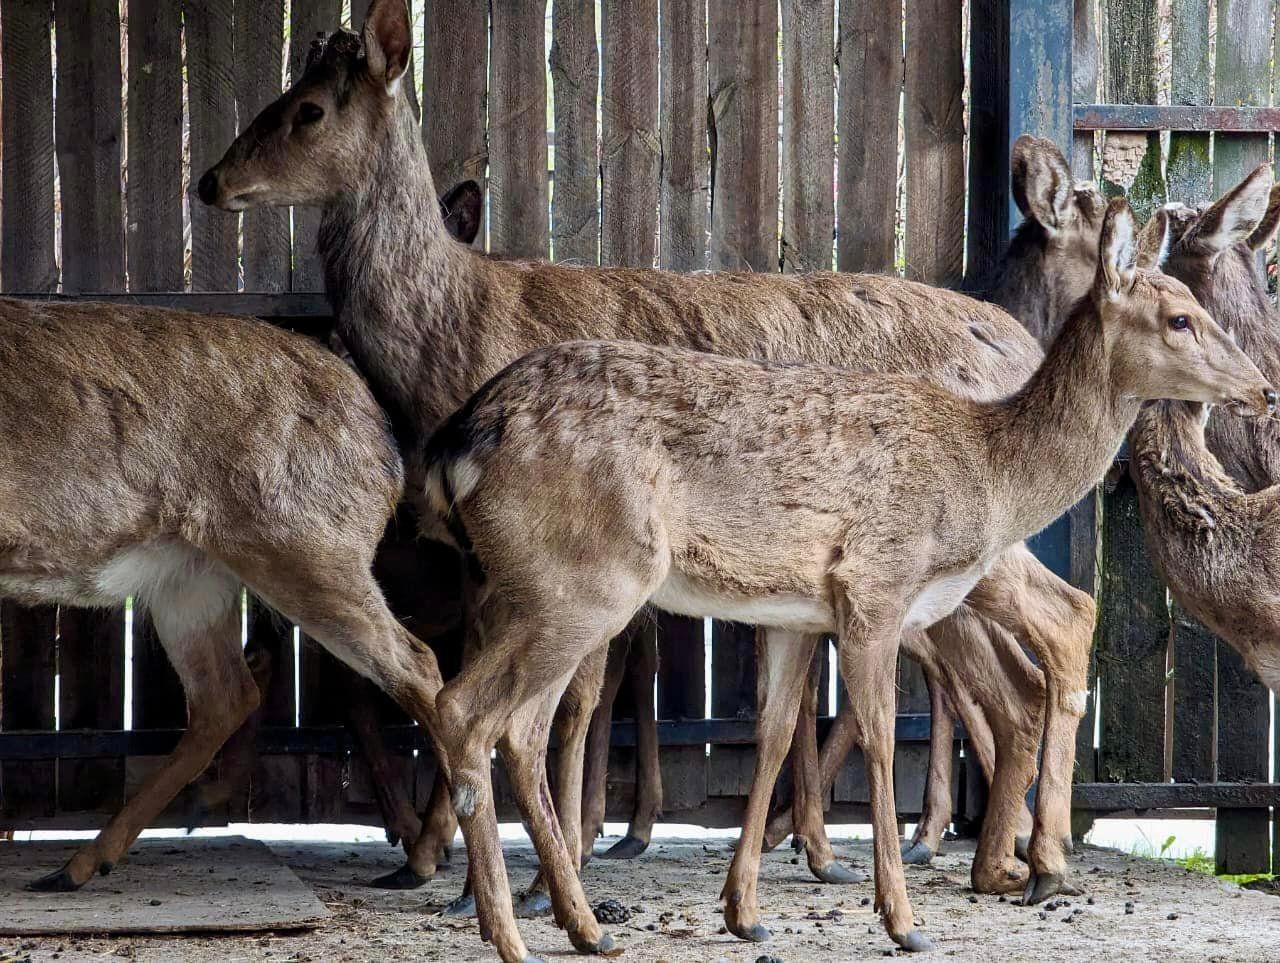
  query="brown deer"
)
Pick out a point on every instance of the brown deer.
point(1208, 492)
point(802, 498)
point(175, 457)
point(427, 321)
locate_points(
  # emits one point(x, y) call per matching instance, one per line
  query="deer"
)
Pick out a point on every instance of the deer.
point(1049, 264)
point(1207, 489)
point(427, 322)
point(798, 497)
point(177, 457)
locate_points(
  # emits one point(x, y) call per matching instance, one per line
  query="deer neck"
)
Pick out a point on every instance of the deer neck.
point(1019, 283)
point(1055, 438)
point(1177, 471)
point(390, 267)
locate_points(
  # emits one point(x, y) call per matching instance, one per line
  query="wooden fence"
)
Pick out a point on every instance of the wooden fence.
point(719, 133)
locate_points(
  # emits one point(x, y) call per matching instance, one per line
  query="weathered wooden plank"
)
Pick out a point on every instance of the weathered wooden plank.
point(1176, 117)
point(988, 228)
point(1193, 699)
point(871, 74)
point(1131, 162)
point(276, 781)
point(212, 109)
point(325, 684)
point(630, 152)
point(27, 260)
point(686, 183)
point(90, 696)
point(1085, 72)
point(307, 18)
point(1132, 639)
point(1040, 75)
point(518, 190)
point(733, 695)
point(455, 84)
point(575, 78)
point(154, 231)
point(158, 699)
point(743, 116)
point(682, 692)
point(88, 134)
point(259, 40)
point(27, 670)
point(1189, 170)
point(808, 135)
point(933, 116)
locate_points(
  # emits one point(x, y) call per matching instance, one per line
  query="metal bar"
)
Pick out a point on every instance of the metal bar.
point(1145, 117)
point(1115, 796)
point(274, 740)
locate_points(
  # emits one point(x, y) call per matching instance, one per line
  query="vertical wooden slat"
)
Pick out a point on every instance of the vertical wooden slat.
point(1193, 700)
point(1131, 79)
point(934, 128)
point(1085, 62)
point(871, 73)
point(259, 40)
point(808, 135)
point(90, 696)
point(154, 230)
point(158, 703)
point(575, 78)
point(743, 116)
point(307, 18)
point(518, 219)
point(455, 82)
point(682, 693)
point(276, 781)
point(733, 696)
point(1190, 170)
point(325, 684)
point(630, 150)
point(686, 181)
point(1132, 639)
point(26, 249)
point(1242, 77)
point(211, 107)
point(988, 229)
point(27, 653)
point(27, 669)
point(88, 136)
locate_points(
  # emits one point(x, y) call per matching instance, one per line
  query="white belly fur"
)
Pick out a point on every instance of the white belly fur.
point(940, 598)
point(685, 596)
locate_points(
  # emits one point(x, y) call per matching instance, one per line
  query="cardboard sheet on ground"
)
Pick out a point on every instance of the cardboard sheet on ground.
point(165, 886)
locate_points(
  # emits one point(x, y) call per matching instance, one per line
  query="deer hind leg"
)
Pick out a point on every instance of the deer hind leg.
point(572, 721)
point(596, 764)
point(431, 845)
point(1056, 622)
point(641, 671)
point(810, 832)
point(869, 643)
point(197, 617)
point(783, 658)
point(936, 815)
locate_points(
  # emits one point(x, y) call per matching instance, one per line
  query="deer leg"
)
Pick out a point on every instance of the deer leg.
point(573, 719)
point(198, 621)
point(783, 658)
point(401, 822)
point(430, 846)
point(868, 660)
point(1056, 621)
point(596, 764)
point(937, 794)
point(807, 804)
point(641, 671)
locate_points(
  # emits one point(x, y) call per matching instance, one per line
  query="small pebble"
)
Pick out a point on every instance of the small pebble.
point(865, 901)
point(1172, 916)
point(973, 899)
point(1089, 900)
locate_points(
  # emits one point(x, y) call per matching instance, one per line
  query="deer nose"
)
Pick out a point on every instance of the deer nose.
point(208, 187)
point(1270, 395)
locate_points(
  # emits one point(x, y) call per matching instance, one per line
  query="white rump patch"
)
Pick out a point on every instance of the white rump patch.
point(682, 595)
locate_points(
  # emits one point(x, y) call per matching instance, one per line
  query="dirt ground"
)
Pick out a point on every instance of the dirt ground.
point(1132, 909)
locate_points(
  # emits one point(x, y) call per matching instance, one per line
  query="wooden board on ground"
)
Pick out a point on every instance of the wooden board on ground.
point(229, 884)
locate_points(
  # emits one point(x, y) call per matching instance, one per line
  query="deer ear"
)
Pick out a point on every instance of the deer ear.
point(387, 41)
point(1042, 182)
point(1265, 231)
point(1153, 241)
point(462, 207)
point(1237, 214)
point(1118, 248)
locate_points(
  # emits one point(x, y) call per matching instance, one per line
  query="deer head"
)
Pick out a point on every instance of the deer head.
point(1162, 343)
point(318, 139)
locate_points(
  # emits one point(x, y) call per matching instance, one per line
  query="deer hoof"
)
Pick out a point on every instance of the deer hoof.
point(914, 941)
point(917, 854)
point(1022, 848)
point(59, 881)
point(402, 878)
point(628, 847)
point(604, 946)
point(838, 874)
point(1040, 886)
point(533, 905)
point(755, 933)
point(464, 907)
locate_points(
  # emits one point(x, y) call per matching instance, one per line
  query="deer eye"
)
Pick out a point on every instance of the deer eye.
point(309, 113)
point(1179, 322)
